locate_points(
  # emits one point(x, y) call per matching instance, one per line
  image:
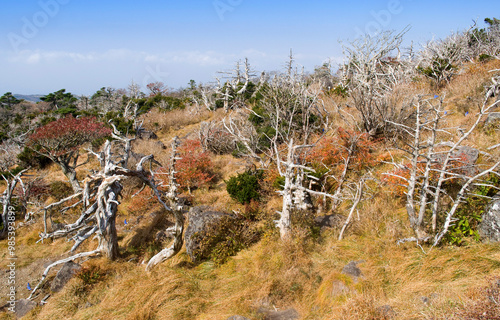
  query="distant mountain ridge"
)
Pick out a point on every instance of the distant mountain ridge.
point(29, 97)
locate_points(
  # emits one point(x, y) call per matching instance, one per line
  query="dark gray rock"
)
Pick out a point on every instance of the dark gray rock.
point(351, 269)
point(160, 144)
point(161, 236)
point(198, 219)
point(492, 119)
point(385, 312)
point(146, 134)
point(237, 318)
point(57, 226)
point(467, 156)
point(330, 221)
point(64, 275)
point(463, 158)
point(289, 314)
point(489, 227)
point(23, 306)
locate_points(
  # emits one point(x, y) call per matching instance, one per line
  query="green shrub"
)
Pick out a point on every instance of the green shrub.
point(468, 215)
point(245, 186)
point(30, 158)
point(91, 275)
point(303, 220)
point(485, 57)
point(340, 90)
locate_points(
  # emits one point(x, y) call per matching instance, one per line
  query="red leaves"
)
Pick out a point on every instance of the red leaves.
point(156, 88)
point(194, 169)
point(67, 135)
point(348, 147)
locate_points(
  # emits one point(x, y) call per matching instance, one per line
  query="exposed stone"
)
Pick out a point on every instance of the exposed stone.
point(57, 226)
point(146, 134)
point(160, 144)
point(492, 119)
point(23, 306)
point(198, 219)
point(237, 318)
point(64, 275)
point(351, 269)
point(161, 236)
point(464, 160)
point(385, 312)
point(489, 227)
point(289, 314)
point(330, 221)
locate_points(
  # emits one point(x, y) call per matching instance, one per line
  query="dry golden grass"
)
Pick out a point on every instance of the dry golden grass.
point(298, 274)
point(164, 122)
point(160, 151)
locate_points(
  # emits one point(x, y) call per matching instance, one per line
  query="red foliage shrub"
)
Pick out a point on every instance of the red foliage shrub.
point(194, 169)
point(142, 202)
point(67, 135)
point(333, 151)
point(398, 178)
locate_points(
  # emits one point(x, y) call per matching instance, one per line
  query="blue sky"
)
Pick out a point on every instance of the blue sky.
point(47, 45)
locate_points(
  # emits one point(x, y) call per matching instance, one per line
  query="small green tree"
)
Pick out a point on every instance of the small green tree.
point(61, 99)
point(245, 186)
point(8, 100)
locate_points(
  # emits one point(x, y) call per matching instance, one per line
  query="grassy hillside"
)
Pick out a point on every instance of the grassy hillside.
point(399, 281)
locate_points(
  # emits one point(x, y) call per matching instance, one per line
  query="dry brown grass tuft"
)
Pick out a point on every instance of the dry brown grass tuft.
point(141, 148)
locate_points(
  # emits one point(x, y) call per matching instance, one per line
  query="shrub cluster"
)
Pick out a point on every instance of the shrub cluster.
point(245, 186)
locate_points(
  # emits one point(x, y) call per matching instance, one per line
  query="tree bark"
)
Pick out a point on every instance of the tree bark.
point(106, 212)
point(70, 173)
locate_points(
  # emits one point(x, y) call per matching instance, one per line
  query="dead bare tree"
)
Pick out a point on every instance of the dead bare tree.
point(440, 60)
point(292, 120)
point(233, 91)
point(8, 154)
point(177, 208)
point(6, 197)
point(437, 155)
point(374, 67)
point(100, 200)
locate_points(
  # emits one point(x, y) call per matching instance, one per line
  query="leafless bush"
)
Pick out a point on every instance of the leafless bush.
point(440, 60)
point(215, 138)
point(8, 154)
point(375, 66)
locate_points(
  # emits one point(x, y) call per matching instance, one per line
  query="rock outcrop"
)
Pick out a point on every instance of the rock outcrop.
point(198, 219)
point(64, 275)
point(489, 228)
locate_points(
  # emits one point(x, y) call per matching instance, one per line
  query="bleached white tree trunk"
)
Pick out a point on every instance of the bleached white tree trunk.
point(177, 209)
point(7, 199)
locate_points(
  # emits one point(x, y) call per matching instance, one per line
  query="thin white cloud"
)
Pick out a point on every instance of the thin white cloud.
point(209, 58)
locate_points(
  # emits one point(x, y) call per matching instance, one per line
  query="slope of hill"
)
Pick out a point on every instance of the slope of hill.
point(312, 273)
